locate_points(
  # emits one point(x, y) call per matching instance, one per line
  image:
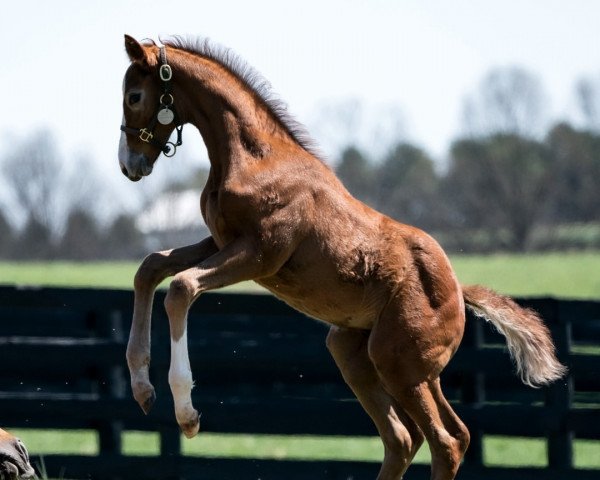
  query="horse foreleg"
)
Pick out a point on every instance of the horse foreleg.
point(236, 262)
point(153, 270)
point(400, 435)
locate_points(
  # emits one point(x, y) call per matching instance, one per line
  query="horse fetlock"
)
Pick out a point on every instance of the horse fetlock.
point(144, 395)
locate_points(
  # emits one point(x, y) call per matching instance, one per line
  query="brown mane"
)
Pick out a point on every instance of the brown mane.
point(250, 77)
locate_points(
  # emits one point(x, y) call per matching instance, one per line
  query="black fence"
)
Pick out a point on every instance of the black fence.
point(260, 367)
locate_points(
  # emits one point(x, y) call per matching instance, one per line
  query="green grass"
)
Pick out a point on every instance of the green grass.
point(564, 275)
point(498, 450)
point(83, 274)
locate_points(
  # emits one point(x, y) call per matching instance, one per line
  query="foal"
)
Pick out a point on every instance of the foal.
point(279, 216)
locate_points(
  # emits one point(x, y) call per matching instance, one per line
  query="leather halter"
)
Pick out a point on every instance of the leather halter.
point(165, 103)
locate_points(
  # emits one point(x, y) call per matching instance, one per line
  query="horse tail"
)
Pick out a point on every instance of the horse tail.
point(529, 341)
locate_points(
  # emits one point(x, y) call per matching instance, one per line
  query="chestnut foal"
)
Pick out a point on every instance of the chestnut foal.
point(279, 216)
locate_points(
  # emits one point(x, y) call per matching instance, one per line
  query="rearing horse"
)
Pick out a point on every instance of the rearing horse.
point(279, 216)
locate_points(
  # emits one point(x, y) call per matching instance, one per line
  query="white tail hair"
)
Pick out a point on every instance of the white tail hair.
point(528, 339)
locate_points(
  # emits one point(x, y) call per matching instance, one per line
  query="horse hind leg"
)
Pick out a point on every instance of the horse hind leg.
point(409, 367)
point(400, 435)
point(446, 434)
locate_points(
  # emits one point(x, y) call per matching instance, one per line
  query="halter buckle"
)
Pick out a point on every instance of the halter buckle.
point(169, 99)
point(146, 135)
point(165, 72)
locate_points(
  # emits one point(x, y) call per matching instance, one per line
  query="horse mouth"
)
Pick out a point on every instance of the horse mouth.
point(137, 166)
point(133, 177)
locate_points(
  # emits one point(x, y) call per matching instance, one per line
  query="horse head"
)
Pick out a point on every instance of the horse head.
point(149, 113)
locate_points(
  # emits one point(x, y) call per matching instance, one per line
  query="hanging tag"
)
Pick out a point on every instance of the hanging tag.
point(165, 116)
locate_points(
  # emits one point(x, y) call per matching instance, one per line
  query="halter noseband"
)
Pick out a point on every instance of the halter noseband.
point(164, 115)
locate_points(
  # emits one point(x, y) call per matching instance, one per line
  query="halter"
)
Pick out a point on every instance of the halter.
point(164, 115)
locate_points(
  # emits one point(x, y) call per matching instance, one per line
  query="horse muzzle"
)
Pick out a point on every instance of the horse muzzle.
point(136, 167)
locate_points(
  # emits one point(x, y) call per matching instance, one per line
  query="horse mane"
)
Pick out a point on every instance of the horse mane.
point(252, 79)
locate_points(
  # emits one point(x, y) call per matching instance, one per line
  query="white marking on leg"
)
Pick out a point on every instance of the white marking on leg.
point(180, 379)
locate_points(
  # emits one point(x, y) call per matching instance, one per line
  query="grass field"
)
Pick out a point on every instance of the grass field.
point(565, 275)
point(505, 451)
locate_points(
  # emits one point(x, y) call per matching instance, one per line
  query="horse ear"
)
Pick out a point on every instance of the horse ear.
point(134, 49)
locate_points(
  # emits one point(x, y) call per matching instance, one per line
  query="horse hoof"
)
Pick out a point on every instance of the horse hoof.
point(148, 402)
point(190, 429)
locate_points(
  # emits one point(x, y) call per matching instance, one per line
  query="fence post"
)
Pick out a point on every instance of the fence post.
point(170, 439)
point(473, 393)
point(170, 436)
point(559, 398)
point(110, 327)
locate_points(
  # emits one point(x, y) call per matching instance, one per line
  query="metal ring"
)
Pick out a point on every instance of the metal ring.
point(166, 104)
point(165, 73)
point(171, 151)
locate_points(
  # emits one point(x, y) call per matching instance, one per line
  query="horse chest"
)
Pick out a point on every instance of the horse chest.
point(224, 216)
point(213, 217)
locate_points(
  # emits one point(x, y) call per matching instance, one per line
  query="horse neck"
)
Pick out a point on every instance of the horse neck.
point(233, 121)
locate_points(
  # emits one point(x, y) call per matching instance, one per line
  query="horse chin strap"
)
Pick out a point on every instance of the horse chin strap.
point(165, 115)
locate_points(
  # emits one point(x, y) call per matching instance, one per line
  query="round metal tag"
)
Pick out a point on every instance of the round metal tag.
point(165, 116)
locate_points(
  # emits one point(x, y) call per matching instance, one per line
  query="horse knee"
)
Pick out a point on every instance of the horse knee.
point(149, 272)
point(179, 296)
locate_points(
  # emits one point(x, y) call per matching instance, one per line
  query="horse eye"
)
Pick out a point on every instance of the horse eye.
point(134, 98)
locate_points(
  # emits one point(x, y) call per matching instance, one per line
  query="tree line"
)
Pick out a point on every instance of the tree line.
point(511, 181)
point(499, 192)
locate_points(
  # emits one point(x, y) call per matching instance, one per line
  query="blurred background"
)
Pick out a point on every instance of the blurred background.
point(477, 122)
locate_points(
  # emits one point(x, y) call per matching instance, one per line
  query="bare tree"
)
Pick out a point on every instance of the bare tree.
point(508, 101)
point(336, 124)
point(339, 125)
point(588, 98)
point(33, 171)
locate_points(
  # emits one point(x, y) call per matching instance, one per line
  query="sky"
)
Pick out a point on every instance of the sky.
point(63, 62)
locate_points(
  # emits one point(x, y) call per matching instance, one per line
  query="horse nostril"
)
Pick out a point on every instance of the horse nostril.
point(124, 170)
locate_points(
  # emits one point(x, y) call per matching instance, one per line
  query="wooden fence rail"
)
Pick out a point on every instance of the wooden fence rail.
point(262, 368)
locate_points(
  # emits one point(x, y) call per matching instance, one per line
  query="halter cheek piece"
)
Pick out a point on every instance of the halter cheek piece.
point(165, 114)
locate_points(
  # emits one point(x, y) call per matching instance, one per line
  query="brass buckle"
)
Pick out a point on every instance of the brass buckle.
point(145, 135)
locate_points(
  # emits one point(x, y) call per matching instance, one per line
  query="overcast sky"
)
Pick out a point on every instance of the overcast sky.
point(62, 62)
